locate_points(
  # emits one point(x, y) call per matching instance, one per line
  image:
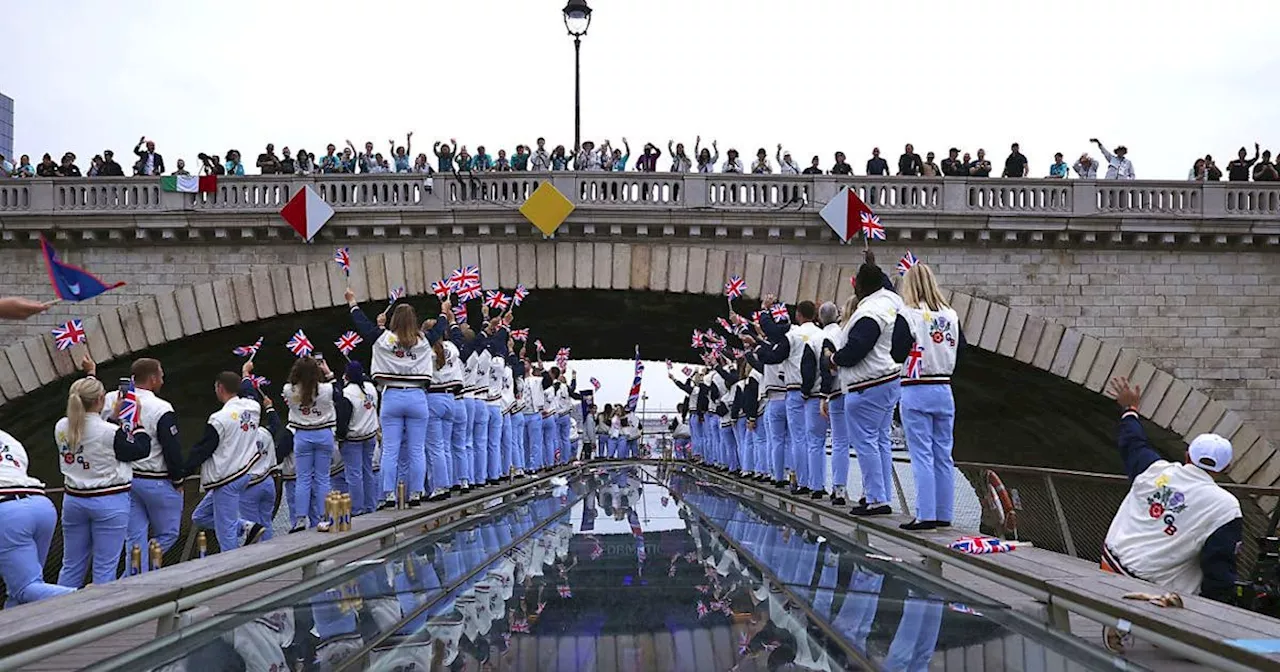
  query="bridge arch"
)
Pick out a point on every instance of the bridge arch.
point(1067, 353)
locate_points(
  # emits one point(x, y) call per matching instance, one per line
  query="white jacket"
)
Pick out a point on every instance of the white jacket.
point(321, 414)
point(13, 469)
point(237, 426)
point(364, 411)
point(91, 468)
point(397, 366)
point(153, 408)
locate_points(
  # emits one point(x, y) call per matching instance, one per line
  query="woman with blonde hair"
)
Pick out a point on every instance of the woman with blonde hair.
point(95, 458)
point(927, 342)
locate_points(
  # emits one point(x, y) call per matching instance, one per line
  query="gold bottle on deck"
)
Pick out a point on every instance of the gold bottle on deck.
point(401, 499)
point(135, 560)
point(202, 544)
point(344, 517)
point(331, 512)
point(157, 555)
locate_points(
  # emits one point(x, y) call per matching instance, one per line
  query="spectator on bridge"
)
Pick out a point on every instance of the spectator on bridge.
point(400, 155)
point(1086, 167)
point(680, 162)
point(909, 164)
point(1059, 168)
point(24, 168)
point(46, 167)
point(541, 159)
point(981, 167)
point(1238, 170)
point(875, 165)
point(268, 163)
point(1264, 170)
point(347, 163)
point(841, 166)
point(29, 522)
point(329, 163)
point(814, 167)
point(588, 158)
point(1176, 528)
point(1119, 167)
point(287, 165)
point(212, 165)
point(109, 166)
point(502, 165)
point(68, 167)
point(929, 168)
point(1212, 169)
point(1016, 165)
point(182, 168)
point(648, 161)
point(786, 165)
point(151, 162)
point(95, 167)
point(444, 156)
point(761, 166)
point(706, 160)
point(954, 167)
point(306, 163)
point(559, 160)
point(421, 164)
point(618, 158)
point(1197, 172)
point(464, 160)
point(732, 164)
point(520, 160)
point(6, 166)
point(234, 166)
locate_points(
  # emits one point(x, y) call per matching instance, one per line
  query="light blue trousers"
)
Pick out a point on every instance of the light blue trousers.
point(550, 442)
point(24, 547)
point(815, 444)
point(460, 449)
point(779, 437)
point(92, 528)
point(313, 455)
point(928, 419)
point(440, 409)
point(155, 507)
point(219, 510)
point(479, 440)
point(917, 635)
point(258, 504)
point(839, 442)
point(362, 484)
point(404, 430)
point(533, 439)
point(797, 456)
point(566, 448)
point(869, 417)
point(495, 463)
point(519, 451)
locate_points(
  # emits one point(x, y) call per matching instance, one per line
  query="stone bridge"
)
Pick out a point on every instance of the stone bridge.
point(1171, 283)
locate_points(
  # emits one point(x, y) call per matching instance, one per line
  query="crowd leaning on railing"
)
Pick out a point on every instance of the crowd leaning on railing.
point(1113, 164)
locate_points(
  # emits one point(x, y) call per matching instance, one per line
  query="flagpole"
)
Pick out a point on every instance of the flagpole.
point(52, 303)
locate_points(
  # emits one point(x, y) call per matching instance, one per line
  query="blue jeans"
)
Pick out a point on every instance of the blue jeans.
point(566, 448)
point(815, 444)
point(728, 447)
point(839, 442)
point(744, 446)
point(404, 430)
point(508, 444)
point(479, 440)
point(518, 451)
point(759, 438)
point(439, 439)
point(797, 456)
point(533, 439)
point(357, 464)
point(153, 503)
point(866, 414)
point(258, 505)
point(779, 437)
point(24, 546)
point(92, 527)
point(496, 466)
point(313, 453)
point(290, 496)
point(928, 418)
point(695, 435)
point(550, 442)
point(460, 448)
point(220, 508)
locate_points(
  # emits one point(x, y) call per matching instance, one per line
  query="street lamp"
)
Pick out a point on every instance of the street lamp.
point(577, 19)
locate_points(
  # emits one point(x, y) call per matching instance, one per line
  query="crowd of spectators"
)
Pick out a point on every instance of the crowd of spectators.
point(449, 157)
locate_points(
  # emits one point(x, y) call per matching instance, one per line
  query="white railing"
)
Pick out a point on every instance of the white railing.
point(659, 191)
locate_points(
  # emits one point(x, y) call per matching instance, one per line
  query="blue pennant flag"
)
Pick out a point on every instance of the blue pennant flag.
point(71, 283)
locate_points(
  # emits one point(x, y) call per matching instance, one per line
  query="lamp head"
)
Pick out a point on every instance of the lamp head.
point(577, 17)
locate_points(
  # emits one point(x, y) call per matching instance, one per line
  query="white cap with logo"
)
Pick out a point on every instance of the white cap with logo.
point(1210, 452)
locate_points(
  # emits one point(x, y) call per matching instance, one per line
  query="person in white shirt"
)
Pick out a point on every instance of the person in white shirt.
point(312, 398)
point(706, 160)
point(680, 162)
point(29, 520)
point(535, 401)
point(786, 165)
point(927, 342)
point(761, 165)
point(448, 419)
point(1119, 167)
point(791, 349)
point(94, 456)
point(225, 455)
point(1086, 167)
point(732, 163)
point(356, 448)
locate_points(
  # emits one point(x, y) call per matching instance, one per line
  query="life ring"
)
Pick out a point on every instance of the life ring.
point(1002, 504)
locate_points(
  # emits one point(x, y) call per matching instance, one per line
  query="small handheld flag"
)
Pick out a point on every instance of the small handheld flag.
point(670, 365)
point(460, 312)
point(735, 287)
point(519, 295)
point(697, 339)
point(595, 384)
point(441, 289)
point(496, 300)
point(872, 229)
point(299, 345)
point(342, 257)
point(307, 213)
point(69, 334)
point(259, 382)
point(688, 370)
point(248, 350)
point(470, 292)
point(71, 283)
point(348, 342)
point(399, 293)
point(906, 262)
point(633, 396)
point(129, 409)
point(779, 313)
point(537, 345)
point(464, 277)
point(519, 334)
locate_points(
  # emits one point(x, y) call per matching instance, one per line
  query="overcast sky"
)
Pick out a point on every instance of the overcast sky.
point(1172, 80)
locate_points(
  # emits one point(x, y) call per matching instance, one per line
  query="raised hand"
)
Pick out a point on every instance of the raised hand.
point(1127, 395)
point(350, 296)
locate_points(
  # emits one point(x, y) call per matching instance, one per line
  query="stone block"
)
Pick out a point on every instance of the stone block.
point(264, 297)
point(829, 282)
point(1032, 330)
point(10, 386)
point(1248, 454)
point(1154, 393)
point(376, 276)
point(546, 255)
point(1126, 362)
point(844, 287)
point(975, 322)
point(206, 307)
point(1143, 372)
point(326, 282)
point(527, 264)
point(1205, 422)
point(717, 267)
point(1047, 348)
point(564, 265)
point(620, 273)
point(1269, 474)
point(450, 259)
point(1177, 403)
point(1068, 346)
point(640, 260)
point(771, 282)
point(188, 315)
point(96, 338)
point(583, 264)
point(992, 328)
point(753, 273)
point(1014, 326)
point(490, 271)
point(242, 287)
point(696, 276)
point(393, 263)
point(1086, 352)
point(1230, 423)
point(789, 290)
point(114, 331)
point(810, 272)
point(735, 263)
point(679, 271)
point(300, 288)
point(415, 280)
point(960, 302)
point(41, 362)
point(433, 269)
point(63, 364)
point(1103, 363)
point(225, 300)
point(602, 258)
point(26, 373)
point(132, 323)
point(469, 255)
point(171, 319)
point(508, 265)
point(659, 268)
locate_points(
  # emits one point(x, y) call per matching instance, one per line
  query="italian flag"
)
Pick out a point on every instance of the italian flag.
point(189, 184)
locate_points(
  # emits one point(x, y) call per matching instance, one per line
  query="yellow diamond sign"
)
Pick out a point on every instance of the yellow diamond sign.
point(546, 208)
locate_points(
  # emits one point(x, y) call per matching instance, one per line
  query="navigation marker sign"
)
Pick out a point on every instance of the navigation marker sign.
point(546, 208)
point(844, 214)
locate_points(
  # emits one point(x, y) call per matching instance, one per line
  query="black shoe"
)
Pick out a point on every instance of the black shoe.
point(919, 525)
point(862, 501)
point(781, 484)
point(456, 487)
point(415, 501)
point(837, 501)
point(863, 510)
point(801, 491)
point(299, 526)
point(255, 534)
point(818, 494)
point(439, 496)
point(386, 504)
point(942, 523)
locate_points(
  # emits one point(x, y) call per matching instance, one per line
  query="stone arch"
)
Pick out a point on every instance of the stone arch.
point(1069, 353)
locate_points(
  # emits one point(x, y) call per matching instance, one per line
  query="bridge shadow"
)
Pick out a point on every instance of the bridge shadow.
point(1007, 412)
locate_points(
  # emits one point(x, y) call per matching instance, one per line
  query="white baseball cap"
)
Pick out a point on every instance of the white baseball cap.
point(1210, 452)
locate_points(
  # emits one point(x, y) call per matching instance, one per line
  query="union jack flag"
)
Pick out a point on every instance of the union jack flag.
point(258, 382)
point(688, 371)
point(520, 625)
point(496, 300)
point(906, 262)
point(871, 226)
point(670, 365)
point(541, 607)
point(962, 608)
point(697, 339)
point(129, 409)
point(460, 312)
point(348, 342)
point(470, 292)
point(633, 398)
point(913, 360)
point(779, 312)
point(595, 384)
point(248, 350)
point(982, 545)
point(299, 345)
point(702, 610)
point(441, 289)
point(342, 257)
point(704, 589)
point(537, 345)
point(519, 334)
point(519, 295)
point(563, 353)
point(597, 551)
point(398, 293)
point(735, 287)
point(69, 334)
point(737, 354)
point(664, 419)
point(744, 643)
point(565, 591)
point(464, 277)
point(724, 324)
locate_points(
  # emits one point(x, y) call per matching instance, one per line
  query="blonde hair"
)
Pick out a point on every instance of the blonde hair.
point(850, 306)
point(84, 394)
point(920, 287)
point(404, 324)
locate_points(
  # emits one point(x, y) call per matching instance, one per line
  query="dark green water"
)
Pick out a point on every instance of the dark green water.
point(1007, 412)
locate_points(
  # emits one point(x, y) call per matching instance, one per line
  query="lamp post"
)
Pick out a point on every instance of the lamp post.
point(577, 19)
